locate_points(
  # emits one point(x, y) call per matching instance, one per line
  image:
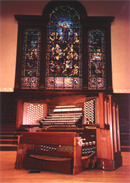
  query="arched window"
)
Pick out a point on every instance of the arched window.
point(31, 52)
point(96, 59)
point(64, 49)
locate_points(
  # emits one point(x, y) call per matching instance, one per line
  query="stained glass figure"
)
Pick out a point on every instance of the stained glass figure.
point(31, 59)
point(97, 59)
point(64, 53)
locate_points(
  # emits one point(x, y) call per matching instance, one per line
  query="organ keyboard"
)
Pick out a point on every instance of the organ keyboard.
point(62, 119)
point(73, 141)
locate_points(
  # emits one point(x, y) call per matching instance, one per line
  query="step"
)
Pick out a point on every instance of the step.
point(8, 141)
point(8, 133)
point(122, 121)
point(8, 147)
point(8, 126)
point(125, 148)
point(125, 143)
point(8, 136)
point(124, 128)
point(125, 136)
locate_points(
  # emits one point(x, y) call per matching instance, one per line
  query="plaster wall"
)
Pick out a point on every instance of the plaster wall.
point(120, 38)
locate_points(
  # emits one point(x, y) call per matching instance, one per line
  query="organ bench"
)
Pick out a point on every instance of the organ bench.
point(59, 151)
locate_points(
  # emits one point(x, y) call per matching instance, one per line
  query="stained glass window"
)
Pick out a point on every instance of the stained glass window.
point(31, 58)
point(96, 59)
point(64, 49)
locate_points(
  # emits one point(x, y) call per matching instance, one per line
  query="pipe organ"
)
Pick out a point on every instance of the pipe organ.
point(71, 138)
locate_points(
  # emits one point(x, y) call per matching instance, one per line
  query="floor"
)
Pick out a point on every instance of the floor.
point(9, 175)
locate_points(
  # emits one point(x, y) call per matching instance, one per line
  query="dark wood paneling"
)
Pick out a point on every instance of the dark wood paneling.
point(124, 106)
point(7, 103)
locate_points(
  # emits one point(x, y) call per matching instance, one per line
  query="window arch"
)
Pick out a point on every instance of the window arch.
point(64, 49)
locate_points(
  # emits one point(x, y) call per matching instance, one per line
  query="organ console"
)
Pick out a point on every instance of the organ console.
point(71, 138)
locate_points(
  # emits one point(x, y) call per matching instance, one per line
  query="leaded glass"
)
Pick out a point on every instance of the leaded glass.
point(96, 59)
point(64, 51)
point(31, 56)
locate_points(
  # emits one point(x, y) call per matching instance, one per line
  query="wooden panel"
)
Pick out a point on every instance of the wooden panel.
point(116, 102)
point(103, 110)
point(109, 164)
point(77, 162)
point(108, 140)
point(65, 138)
point(111, 128)
point(31, 163)
point(97, 110)
point(117, 154)
point(105, 164)
point(89, 162)
point(118, 128)
point(68, 100)
point(19, 116)
point(7, 108)
point(21, 152)
point(50, 153)
point(124, 105)
point(30, 141)
point(62, 166)
point(104, 149)
point(115, 129)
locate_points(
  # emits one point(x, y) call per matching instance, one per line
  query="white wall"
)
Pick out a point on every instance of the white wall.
point(120, 38)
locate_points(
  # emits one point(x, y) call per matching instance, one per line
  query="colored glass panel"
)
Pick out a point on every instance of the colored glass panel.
point(64, 51)
point(68, 82)
point(59, 82)
point(31, 57)
point(50, 82)
point(77, 83)
point(96, 59)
